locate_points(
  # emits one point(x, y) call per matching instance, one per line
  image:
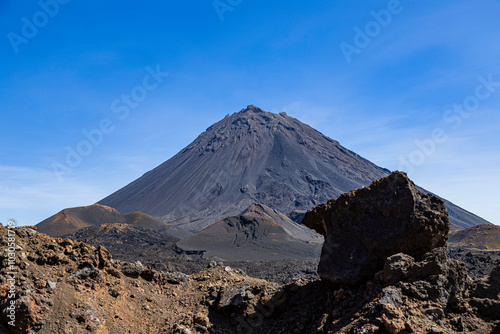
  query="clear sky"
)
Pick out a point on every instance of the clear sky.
point(95, 93)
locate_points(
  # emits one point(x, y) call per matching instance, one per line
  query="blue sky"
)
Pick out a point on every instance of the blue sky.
point(412, 85)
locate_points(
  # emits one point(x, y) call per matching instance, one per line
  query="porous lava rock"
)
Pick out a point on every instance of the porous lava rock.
point(486, 294)
point(435, 278)
point(364, 227)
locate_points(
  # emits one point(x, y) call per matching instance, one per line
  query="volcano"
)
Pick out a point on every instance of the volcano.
point(252, 156)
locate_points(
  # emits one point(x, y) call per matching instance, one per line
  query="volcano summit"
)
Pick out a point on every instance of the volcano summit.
point(252, 156)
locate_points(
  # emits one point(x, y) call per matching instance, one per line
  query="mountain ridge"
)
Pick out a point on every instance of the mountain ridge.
point(70, 220)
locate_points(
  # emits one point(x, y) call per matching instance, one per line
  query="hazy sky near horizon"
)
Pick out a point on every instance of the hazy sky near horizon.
point(94, 94)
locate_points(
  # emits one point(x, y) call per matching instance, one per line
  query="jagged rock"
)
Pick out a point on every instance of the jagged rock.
point(27, 313)
point(435, 312)
point(176, 277)
point(201, 319)
point(486, 295)
point(29, 231)
point(393, 319)
point(391, 296)
point(104, 257)
point(131, 270)
point(52, 285)
point(233, 296)
point(132, 305)
point(434, 277)
point(149, 274)
point(182, 330)
point(88, 276)
point(88, 315)
point(488, 286)
point(396, 268)
point(113, 272)
point(432, 263)
point(365, 226)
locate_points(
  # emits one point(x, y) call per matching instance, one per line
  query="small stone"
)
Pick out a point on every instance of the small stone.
point(181, 330)
point(176, 278)
point(113, 272)
point(52, 285)
point(201, 319)
point(435, 312)
point(230, 296)
point(148, 275)
point(131, 270)
point(396, 268)
point(391, 296)
point(115, 291)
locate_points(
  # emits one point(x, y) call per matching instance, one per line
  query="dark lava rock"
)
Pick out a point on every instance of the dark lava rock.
point(391, 296)
point(479, 263)
point(149, 274)
point(486, 295)
point(132, 270)
point(233, 296)
point(87, 276)
point(104, 257)
point(365, 226)
point(176, 278)
point(396, 268)
point(435, 278)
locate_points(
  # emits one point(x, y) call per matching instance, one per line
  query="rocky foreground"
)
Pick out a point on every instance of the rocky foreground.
point(66, 286)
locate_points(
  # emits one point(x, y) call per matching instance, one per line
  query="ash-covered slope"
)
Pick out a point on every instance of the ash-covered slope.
point(297, 231)
point(258, 233)
point(73, 219)
point(481, 237)
point(249, 157)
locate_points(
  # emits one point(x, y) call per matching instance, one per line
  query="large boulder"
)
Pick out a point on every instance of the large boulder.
point(365, 226)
